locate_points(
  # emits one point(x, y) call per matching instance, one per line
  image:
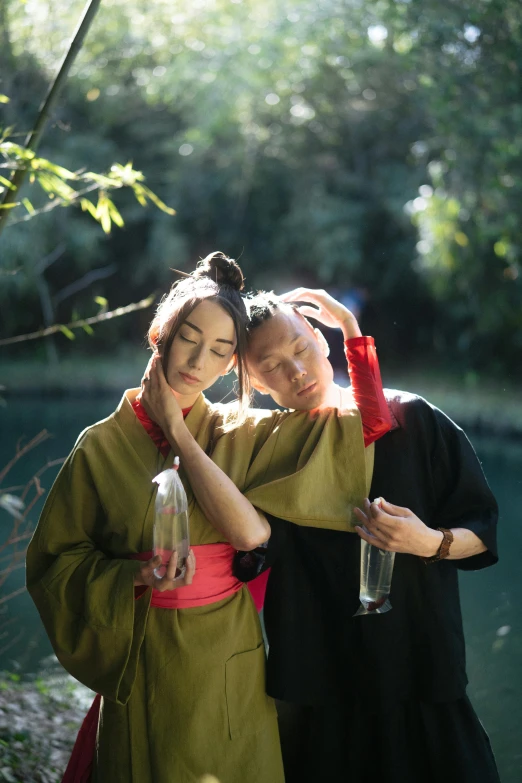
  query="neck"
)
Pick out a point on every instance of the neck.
point(332, 398)
point(185, 400)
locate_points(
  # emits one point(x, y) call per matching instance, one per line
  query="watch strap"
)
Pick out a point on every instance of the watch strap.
point(444, 548)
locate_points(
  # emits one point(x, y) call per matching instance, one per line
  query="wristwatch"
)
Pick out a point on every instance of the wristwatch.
point(444, 548)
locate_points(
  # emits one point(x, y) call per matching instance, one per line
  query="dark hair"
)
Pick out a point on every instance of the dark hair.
point(263, 305)
point(216, 278)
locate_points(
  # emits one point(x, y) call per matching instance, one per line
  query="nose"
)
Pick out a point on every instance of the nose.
point(196, 358)
point(297, 371)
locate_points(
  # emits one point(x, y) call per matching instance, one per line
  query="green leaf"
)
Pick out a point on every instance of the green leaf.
point(67, 332)
point(7, 184)
point(10, 206)
point(53, 184)
point(157, 201)
point(4, 99)
point(104, 216)
point(60, 171)
point(101, 300)
point(139, 196)
point(88, 328)
point(16, 151)
point(100, 179)
point(114, 214)
point(88, 206)
point(29, 207)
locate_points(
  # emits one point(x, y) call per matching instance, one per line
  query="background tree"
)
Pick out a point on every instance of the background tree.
point(358, 146)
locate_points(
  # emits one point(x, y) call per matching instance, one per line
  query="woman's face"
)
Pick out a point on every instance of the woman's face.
point(201, 351)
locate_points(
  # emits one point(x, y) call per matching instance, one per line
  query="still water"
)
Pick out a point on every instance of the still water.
point(491, 599)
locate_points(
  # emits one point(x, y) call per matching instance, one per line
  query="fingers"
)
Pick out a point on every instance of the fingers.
point(361, 516)
point(169, 581)
point(170, 574)
point(311, 312)
point(191, 568)
point(305, 295)
point(145, 575)
point(371, 539)
point(380, 509)
point(375, 520)
point(394, 511)
point(294, 295)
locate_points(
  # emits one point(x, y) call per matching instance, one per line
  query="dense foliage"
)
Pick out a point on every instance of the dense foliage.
point(373, 146)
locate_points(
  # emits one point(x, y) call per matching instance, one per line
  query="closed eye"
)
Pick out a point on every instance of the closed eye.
point(271, 369)
point(185, 339)
point(301, 351)
point(219, 354)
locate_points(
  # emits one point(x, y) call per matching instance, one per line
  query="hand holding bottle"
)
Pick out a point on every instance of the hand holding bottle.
point(147, 577)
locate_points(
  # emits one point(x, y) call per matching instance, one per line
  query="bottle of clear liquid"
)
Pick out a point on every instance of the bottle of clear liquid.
point(171, 524)
point(375, 580)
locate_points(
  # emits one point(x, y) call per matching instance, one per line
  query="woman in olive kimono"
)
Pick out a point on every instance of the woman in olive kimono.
point(182, 687)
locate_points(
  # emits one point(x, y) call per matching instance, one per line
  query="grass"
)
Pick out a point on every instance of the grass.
point(39, 721)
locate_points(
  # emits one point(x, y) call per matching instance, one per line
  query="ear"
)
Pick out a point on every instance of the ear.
point(230, 366)
point(321, 339)
point(257, 385)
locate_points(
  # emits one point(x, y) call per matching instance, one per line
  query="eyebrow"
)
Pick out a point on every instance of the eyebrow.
point(291, 342)
point(197, 329)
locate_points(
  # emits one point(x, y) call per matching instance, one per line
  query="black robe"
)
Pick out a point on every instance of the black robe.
point(349, 674)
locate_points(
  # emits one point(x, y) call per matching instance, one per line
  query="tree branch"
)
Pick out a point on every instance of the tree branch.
point(43, 435)
point(20, 338)
point(34, 136)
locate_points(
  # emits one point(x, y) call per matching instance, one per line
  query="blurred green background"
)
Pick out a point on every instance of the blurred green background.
point(373, 148)
point(370, 148)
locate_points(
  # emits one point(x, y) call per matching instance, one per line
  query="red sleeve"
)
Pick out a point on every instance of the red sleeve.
point(365, 376)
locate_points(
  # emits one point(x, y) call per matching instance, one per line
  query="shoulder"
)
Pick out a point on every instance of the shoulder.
point(256, 419)
point(407, 407)
point(426, 425)
point(98, 437)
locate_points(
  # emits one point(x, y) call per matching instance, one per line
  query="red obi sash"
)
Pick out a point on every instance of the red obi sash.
point(213, 580)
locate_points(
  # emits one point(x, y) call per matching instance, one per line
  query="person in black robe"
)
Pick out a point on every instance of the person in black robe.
point(381, 698)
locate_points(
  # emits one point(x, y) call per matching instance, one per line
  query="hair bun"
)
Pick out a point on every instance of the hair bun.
point(222, 270)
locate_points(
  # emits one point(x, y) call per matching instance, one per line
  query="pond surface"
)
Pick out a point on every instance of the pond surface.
point(491, 599)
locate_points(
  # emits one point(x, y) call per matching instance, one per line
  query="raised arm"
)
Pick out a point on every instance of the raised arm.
point(225, 507)
point(361, 355)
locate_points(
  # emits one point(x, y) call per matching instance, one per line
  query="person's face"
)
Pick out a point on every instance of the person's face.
point(288, 360)
point(202, 350)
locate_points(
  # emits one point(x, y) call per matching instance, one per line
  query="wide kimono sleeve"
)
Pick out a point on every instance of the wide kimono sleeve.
point(85, 597)
point(466, 500)
point(249, 565)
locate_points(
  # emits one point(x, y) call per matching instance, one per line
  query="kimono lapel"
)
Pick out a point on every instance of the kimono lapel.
point(135, 434)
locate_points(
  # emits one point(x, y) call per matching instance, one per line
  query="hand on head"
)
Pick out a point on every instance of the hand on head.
point(326, 309)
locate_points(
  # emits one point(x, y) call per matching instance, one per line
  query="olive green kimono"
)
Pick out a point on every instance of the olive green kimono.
point(183, 689)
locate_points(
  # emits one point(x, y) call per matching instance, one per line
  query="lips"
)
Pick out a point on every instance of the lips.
point(308, 388)
point(188, 378)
